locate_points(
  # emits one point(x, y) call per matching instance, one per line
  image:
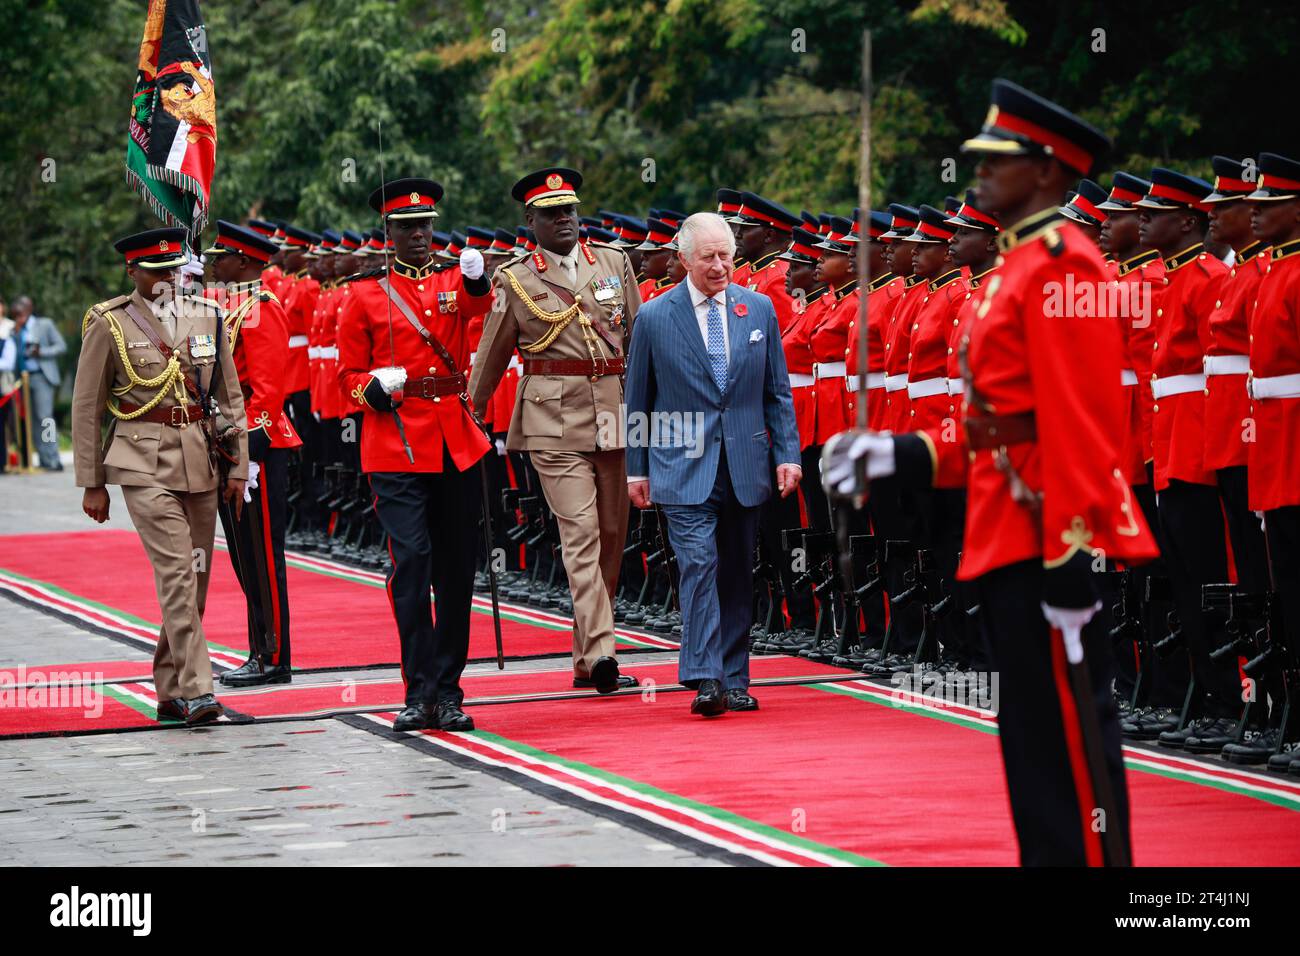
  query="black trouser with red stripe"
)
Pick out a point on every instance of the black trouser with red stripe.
point(1047, 776)
point(432, 521)
point(256, 546)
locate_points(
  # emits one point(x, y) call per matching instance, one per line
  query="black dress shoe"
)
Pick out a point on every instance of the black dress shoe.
point(604, 675)
point(253, 673)
point(709, 701)
point(624, 680)
point(202, 710)
point(1212, 736)
point(1148, 723)
point(1178, 738)
point(738, 699)
point(171, 709)
point(451, 717)
point(1255, 747)
point(414, 717)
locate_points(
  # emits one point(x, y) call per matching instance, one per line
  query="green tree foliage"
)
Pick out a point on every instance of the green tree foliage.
point(657, 101)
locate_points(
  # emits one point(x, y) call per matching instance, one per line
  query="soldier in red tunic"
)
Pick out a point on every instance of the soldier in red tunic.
point(898, 333)
point(655, 257)
point(728, 207)
point(883, 291)
point(762, 234)
point(259, 343)
point(403, 349)
point(1274, 466)
point(1043, 419)
point(1172, 219)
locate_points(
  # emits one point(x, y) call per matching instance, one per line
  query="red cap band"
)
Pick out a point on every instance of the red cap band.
point(1067, 151)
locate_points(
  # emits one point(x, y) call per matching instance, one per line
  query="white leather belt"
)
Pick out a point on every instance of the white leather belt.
point(829, 370)
point(471, 357)
point(927, 387)
point(800, 380)
point(895, 383)
point(313, 352)
point(297, 341)
point(1227, 364)
point(1276, 386)
point(328, 351)
point(1128, 377)
point(956, 386)
point(874, 380)
point(1176, 385)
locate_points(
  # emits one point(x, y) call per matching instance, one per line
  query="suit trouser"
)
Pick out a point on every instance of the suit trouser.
point(432, 523)
point(41, 419)
point(717, 596)
point(1196, 553)
point(1048, 804)
point(176, 529)
point(256, 546)
point(587, 493)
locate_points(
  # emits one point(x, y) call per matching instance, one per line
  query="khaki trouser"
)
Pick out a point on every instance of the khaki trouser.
point(587, 492)
point(176, 528)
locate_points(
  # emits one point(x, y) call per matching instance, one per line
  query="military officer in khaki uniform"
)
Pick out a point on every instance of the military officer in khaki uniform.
point(568, 307)
point(150, 359)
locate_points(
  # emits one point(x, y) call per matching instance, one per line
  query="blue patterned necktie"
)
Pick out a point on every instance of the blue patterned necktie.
point(717, 346)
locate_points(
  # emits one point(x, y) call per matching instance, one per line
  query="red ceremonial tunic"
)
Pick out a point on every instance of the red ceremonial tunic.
point(1022, 359)
point(767, 275)
point(927, 367)
point(796, 342)
point(882, 299)
point(1274, 465)
point(299, 308)
point(956, 476)
point(1227, 404)
point(1145, 274)
point(828, 337)
point(897, 344)
point(441, 304)
point(1195, 279)
point(346, 404)
point(260, 350)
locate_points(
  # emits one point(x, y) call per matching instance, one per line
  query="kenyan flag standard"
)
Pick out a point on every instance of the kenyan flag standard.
point(172, 149)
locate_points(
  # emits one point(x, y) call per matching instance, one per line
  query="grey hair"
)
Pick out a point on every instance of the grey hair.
point(697, 223)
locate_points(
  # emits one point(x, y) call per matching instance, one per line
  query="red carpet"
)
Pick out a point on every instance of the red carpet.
point(862, 777)
point(340, 617)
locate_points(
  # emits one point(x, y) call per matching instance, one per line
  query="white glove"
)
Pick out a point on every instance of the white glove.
point(501, 447)
point(254, 469)
point(471, 263)
point(391, 377)
point(1070, 621)
point(843, 456)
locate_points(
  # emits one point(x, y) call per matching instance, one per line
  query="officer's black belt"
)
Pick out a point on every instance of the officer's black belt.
point(176, 415)
point(583, 367)
point(994, 431)
point(434, 386)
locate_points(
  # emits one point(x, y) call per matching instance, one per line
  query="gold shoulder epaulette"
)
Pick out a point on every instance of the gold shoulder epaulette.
point(102, 309)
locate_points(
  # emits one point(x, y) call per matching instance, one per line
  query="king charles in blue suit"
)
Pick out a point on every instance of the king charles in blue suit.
point(710, 419)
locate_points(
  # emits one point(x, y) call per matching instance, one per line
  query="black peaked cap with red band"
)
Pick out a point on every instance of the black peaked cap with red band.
point(155, 249)
point(805, 247)
point(1233, 179)
point(660, 234)
point(902, 220)
point(1085, 205)
point(1171, 189)
point(233, 238)
point(755, 210)
point(728, 202)
point(879, 224)
point(1279, 178)
point(970, 216)
point(552, 186)
point(841, 237)
point(1021, 123)
point(407, 199)
point(932, 227)
point(1125, 191)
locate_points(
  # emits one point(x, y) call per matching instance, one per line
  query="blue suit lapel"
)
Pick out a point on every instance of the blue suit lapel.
point(736, 326)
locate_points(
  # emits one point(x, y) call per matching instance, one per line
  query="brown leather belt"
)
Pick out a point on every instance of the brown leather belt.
point(994, 431)
point(434, 386)
point(583, 367)
point(174, 415)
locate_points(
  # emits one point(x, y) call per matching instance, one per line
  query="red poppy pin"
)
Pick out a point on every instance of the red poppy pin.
point(740, 309)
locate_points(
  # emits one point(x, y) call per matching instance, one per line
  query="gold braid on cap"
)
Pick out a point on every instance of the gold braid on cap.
point(558, 321)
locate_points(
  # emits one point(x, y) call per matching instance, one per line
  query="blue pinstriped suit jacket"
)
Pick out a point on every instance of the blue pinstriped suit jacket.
point(669, 373)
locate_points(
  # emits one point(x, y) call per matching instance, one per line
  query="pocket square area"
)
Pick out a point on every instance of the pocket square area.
point(756, 335)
